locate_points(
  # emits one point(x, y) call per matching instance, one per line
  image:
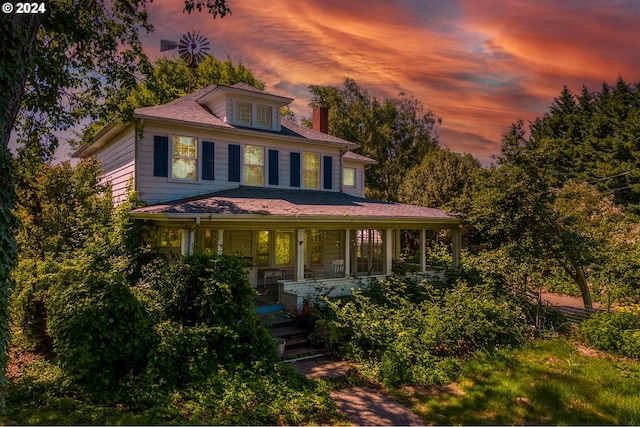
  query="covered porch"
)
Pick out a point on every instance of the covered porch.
point(302, 243)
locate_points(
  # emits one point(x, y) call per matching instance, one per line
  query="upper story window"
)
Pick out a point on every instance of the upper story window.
point(349, 177)
point(184, 162)
point(264, 116)
point(243, 113)
point(253, 165)
point(311, 170)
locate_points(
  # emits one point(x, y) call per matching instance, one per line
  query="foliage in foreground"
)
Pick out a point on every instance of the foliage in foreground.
point(255, 395)
point(204, 311)
point(403, 331)
point(617, 332)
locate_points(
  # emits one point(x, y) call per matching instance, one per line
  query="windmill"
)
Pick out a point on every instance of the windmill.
point(192, 48)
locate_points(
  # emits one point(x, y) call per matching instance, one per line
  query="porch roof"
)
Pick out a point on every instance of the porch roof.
point(274, 204)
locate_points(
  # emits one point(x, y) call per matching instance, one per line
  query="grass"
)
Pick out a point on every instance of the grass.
point(42, 395)
point(547, 382)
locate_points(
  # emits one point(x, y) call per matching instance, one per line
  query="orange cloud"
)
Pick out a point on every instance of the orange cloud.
point(480, 65)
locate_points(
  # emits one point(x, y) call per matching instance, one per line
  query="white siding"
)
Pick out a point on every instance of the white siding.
point(157, 189)
point(117, 160)
point(154, 189)
point(358, 190)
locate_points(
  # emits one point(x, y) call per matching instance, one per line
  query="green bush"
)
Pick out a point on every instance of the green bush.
point(100, 331)
point(205, 308)
point(615, 332)
point(408, 331)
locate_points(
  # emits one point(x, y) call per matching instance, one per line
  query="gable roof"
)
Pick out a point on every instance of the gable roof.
point(274, 204)
point(189, 110)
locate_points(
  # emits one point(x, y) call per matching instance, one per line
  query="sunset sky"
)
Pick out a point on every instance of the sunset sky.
point(480, 65)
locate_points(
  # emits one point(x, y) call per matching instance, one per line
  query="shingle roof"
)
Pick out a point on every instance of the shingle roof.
point(189, 111)
point(358, 158)
point(247, 200)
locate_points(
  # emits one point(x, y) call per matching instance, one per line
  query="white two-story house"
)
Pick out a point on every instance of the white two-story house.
point(221, 171)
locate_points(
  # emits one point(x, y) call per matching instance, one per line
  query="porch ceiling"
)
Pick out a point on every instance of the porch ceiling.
point(260, 204)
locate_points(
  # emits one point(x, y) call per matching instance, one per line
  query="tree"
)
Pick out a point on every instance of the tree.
point(571, 227)
point(395, 132)
point(593, 137)
point(171, 79)
point(439, 179)
point(56, 68)
point(59, 208)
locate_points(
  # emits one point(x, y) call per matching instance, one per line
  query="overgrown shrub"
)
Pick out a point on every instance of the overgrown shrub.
point(407, 331)
point(616, 332)
point(100, 331)
point(205, 308)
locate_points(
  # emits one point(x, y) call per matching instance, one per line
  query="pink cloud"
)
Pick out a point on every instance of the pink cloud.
point(480, 65)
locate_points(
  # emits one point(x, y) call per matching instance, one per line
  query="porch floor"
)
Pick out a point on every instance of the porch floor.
point(267, 295)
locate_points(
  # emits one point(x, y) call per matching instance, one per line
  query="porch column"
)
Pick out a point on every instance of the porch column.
point(423, 250)
point(220, 248)
point(300, 254)
point(347, 253)
point(188, 238)
point(388, 250)
point(456, 243)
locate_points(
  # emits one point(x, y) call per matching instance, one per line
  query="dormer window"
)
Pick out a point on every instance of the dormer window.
point(243, 113)
point(254, 115)
point(264, 116)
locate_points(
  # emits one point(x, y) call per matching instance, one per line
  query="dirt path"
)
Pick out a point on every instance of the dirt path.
point(566, 300)
point(364, 406)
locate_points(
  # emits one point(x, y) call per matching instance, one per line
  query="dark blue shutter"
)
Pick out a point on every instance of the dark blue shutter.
point(273, 167)
point(234, 163)
point(160, 155)
point(328, 174)
point(207, 160)
point(294, 180)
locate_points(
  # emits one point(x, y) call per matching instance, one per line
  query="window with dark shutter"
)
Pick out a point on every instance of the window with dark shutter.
point(328, 172)
point(273, 167)
point(161, 156)
point(234, 163)
point(294, 180)
point(207, 161)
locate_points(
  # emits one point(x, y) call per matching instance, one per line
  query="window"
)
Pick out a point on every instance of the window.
point(349, 177)
point(311, 170)
point(315, 248)
point(275, 248)
point(184, 161)
point(367, 251)
point(284, 248)
point(206, 241)
point(243, 113)
point(253, 165)
point(262, 255)
point(264, 116)
point(170, 238)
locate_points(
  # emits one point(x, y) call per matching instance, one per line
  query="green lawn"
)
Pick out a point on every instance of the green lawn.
point(543, 383)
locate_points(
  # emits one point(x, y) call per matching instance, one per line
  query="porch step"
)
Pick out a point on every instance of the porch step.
point(297, 344)
point(289, 332)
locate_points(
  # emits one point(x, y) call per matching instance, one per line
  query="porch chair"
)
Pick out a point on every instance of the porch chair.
point(337, 268)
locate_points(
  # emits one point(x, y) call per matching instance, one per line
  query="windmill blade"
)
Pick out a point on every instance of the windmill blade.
point(193, 48)
point(167, 45)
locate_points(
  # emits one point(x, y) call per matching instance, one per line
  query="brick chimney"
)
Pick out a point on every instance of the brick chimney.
point(321, 119)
